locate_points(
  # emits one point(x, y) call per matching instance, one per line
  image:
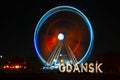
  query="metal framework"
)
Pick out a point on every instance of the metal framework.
point(56, 53)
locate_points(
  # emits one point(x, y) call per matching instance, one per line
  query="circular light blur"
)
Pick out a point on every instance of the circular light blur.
point(60, 36)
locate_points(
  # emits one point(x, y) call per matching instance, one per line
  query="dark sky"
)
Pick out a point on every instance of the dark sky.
point(18, 20)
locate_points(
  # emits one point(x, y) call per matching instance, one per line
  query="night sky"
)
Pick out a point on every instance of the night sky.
point(18, 20)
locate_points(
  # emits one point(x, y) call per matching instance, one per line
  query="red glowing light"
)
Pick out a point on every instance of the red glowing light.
point(75, 34)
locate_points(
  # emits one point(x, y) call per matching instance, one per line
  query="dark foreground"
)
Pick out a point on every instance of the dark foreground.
point(59, 76)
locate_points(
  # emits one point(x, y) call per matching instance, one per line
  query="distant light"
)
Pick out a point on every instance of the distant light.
point(60, 36)
point(7, 66)
point(17, 66)
point(20, 66)
point(1, 56)
point(25, 67)
point(4, 67)
point(60, 54)
point(61, 60)
point(13, 67)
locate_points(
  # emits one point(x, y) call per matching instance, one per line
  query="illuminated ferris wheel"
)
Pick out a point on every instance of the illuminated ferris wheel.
point(63, 35)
